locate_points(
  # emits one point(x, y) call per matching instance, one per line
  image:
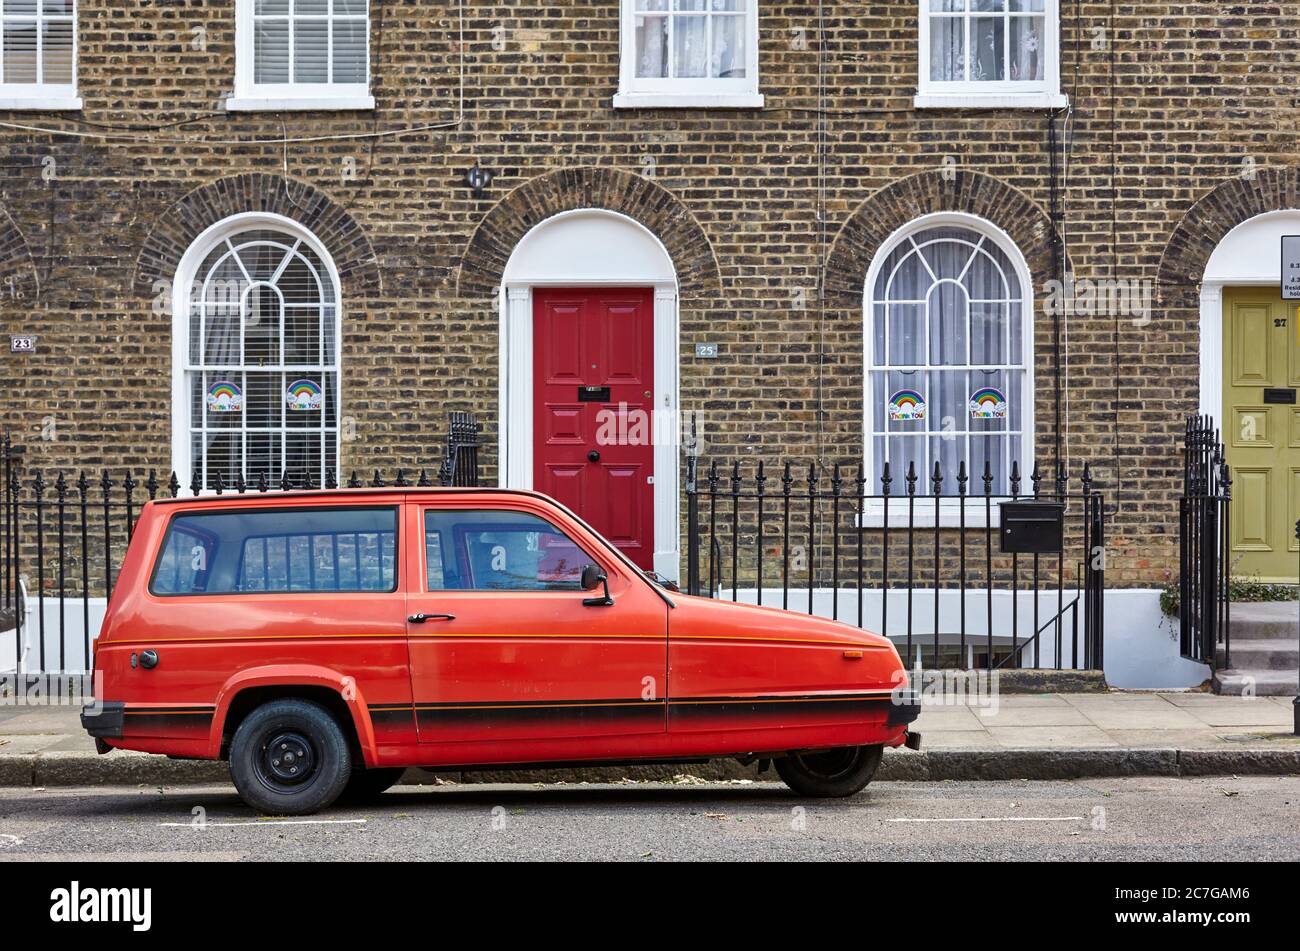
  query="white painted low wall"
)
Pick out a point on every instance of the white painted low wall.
point(1141, 645)
point(65, 648)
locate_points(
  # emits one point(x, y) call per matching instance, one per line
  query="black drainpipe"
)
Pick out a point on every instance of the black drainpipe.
point(1058, 266)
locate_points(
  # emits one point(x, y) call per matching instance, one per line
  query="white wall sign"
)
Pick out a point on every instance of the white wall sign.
point(1291, 267)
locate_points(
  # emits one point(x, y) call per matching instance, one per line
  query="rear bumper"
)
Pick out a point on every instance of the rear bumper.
point(104, 719)
point(904, 707)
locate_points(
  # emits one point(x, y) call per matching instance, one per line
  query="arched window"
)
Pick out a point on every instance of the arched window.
point(948, 340)
point(258, 382)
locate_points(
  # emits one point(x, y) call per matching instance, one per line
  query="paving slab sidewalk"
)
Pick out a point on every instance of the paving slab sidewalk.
point(1020, 736)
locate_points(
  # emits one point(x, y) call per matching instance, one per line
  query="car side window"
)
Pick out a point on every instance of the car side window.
point(278, 551)
point(499, 551)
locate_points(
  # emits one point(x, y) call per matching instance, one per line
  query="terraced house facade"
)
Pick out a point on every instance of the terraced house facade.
point(247, 239)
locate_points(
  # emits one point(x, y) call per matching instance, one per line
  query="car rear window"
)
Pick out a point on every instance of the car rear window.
point(253, 551)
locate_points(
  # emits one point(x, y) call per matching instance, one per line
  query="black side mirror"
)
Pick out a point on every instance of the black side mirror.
point(592, 578)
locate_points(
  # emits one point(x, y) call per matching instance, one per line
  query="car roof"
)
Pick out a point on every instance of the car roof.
point(396, 491)
point(345, 491)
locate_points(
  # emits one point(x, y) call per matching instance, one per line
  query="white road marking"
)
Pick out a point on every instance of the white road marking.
point(7, 839)
point(265, 822)
point(1000, 819)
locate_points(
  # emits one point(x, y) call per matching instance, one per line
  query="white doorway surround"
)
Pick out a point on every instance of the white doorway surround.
point(591, 247)
point(1250, 255)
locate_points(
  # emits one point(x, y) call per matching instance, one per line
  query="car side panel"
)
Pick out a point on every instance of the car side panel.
point(737, 669)
point(532, 665)
point(205, 643)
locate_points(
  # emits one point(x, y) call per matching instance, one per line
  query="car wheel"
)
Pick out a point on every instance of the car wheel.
point(368, 784)
point(838, 772)
point(290, 758)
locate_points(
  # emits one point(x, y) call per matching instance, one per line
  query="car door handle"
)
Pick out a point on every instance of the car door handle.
point(421, 618)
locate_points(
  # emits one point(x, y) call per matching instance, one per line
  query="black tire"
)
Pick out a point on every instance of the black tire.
point(290, 758)
point(367, 785)
point(832, 773)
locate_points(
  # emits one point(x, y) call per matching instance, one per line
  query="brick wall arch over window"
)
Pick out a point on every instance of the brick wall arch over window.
point(17, 269)
point(651, 205)
point(1208, 221)
point(178, 227)
point(891, 208)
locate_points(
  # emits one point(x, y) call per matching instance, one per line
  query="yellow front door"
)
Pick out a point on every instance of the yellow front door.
point(1261, 374)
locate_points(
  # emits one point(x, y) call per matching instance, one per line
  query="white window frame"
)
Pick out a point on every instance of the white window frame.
point(251, 96)
point(950, 514)
point(1004, 94)
point(186, 274)
point(693, 93)
point(41, 95)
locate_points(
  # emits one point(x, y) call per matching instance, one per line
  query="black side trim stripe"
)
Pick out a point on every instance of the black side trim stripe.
point(636, 709)
point(169, 711)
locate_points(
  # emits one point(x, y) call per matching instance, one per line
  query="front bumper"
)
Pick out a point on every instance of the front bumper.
point(104, 719)
point(904, 707)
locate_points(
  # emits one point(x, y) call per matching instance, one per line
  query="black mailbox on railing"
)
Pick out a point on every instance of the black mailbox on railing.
point(1032, 527)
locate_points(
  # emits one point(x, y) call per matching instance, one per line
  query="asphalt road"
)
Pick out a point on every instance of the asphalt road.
point(1252, 818)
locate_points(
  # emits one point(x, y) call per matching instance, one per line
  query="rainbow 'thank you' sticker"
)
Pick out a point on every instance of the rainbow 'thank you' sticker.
point(225, 397)
point(906, 405)
point(303, 395)
point(988, 403)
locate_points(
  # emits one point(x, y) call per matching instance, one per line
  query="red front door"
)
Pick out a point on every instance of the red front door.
point(593, 377)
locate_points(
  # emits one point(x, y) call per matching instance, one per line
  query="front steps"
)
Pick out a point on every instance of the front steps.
point(1265, 651)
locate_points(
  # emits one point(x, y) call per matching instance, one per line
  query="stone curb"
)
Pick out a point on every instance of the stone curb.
point(120, 768)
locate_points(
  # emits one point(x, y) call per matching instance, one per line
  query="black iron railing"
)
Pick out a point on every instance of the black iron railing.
point(918, 559)
point(63, 537)
point(460, 466)
point(1204, 527)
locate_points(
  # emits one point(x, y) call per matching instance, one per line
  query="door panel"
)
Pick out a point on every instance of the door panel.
point(1262, 438)
point(592, 340)
point(526, 665)
point(1252, 518)
point(1251, 339)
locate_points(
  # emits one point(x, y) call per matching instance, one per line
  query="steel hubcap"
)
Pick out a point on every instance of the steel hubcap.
point(289, 758)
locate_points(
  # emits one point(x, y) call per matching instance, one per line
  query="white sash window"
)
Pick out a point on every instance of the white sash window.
point(302, 54)
point(258, 381)
point(949, 357)
point(989, 53)
point(38, 54)
point(689, 53)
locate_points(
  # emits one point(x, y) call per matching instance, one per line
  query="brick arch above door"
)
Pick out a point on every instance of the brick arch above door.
point(1209, 220)
point(958, 190)
point(609, 189)
point(256, 192)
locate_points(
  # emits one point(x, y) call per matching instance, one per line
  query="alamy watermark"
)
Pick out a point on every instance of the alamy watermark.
point(51, 690)
point(1110, 297)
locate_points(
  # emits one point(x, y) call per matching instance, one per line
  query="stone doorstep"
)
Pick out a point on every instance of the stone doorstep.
point(80, 769)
